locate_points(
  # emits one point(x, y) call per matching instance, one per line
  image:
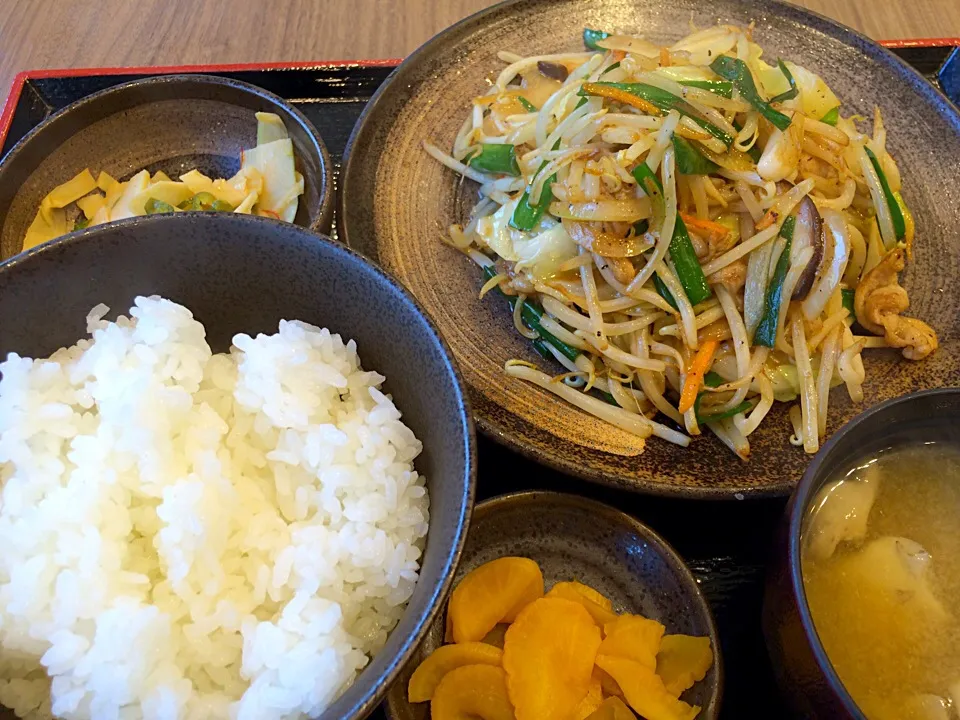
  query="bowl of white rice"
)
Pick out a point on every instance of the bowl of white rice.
point(236, 470)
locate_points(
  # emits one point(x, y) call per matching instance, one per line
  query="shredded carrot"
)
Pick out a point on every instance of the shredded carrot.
point(767, 220)
point(714, 230)
point(617, 55)
point(664, 57)
point(621, 96)
point(698, 368)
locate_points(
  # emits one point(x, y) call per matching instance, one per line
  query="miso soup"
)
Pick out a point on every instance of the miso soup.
point(881, 571)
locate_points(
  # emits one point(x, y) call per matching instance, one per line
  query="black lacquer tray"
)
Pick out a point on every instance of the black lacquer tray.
point(725, 543)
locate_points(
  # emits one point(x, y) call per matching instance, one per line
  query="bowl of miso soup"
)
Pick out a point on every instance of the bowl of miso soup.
point(862, 606)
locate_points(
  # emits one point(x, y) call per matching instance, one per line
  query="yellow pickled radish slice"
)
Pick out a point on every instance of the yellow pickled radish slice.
point(591, 702)
point(682, 661)
point(613, 708)
point(548, 655)
point(471, 692)
point(633, 637)
point(494, 592)
point(600, 614)
point(644, 691)
point(446, 658)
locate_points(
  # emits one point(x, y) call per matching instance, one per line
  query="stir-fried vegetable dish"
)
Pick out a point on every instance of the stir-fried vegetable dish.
point(266, 184)
point(691, 231)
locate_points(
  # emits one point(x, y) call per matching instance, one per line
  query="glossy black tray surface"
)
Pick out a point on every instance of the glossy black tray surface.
point(725, 543)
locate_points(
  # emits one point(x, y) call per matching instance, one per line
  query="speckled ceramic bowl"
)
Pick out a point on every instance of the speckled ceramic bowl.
point(801, 664)
point(173, 123)
point(396, 203)
point(239, 273)
point(573, 538)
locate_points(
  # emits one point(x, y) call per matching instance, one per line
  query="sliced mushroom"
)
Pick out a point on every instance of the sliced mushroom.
point(807, 233)
point(554, 71)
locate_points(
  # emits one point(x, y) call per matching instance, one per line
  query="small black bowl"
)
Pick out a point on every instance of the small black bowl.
point(573, 538)
point(803, 670)
point(173, 123)
point(239, 273)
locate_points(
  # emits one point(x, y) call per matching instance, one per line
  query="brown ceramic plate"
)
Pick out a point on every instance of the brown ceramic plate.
point(173, 123)
point(573, 538)
point(396, 203)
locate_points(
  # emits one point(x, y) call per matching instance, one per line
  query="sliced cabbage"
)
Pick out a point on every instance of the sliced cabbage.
point(51, 221)
point(540, 253)
point(233, 191)
point(269, 128)
point(71, 191)
point(125, 206)
point(90, 204)
point(246, 207)
point(275, 161)
point(172, 193)
point(816, 98)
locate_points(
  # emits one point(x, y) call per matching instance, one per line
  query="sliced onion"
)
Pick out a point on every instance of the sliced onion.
point(807, 233)
point(835, 262)
point(626, 43)
point(758, 272)
point(624, 210)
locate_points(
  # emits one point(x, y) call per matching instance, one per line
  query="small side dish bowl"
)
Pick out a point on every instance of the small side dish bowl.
point(803, 669)
point(172, 123)
point(573, 538)
point(240, 273)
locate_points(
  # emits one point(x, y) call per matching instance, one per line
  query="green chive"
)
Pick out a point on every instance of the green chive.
point(496, 158)
point(899, 224)
point(682, 254)
point(527, 105)
point(766, 333)
point(666, 101)
point(793, 91)
point(848, 299)
point(831, 117)
point(691, 161)
point(737, 72)
point(592, 37)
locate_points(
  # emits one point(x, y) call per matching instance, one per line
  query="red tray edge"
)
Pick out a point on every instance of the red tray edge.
point(13, 97)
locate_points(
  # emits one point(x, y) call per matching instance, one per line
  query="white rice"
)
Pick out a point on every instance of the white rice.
point(189, 535)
